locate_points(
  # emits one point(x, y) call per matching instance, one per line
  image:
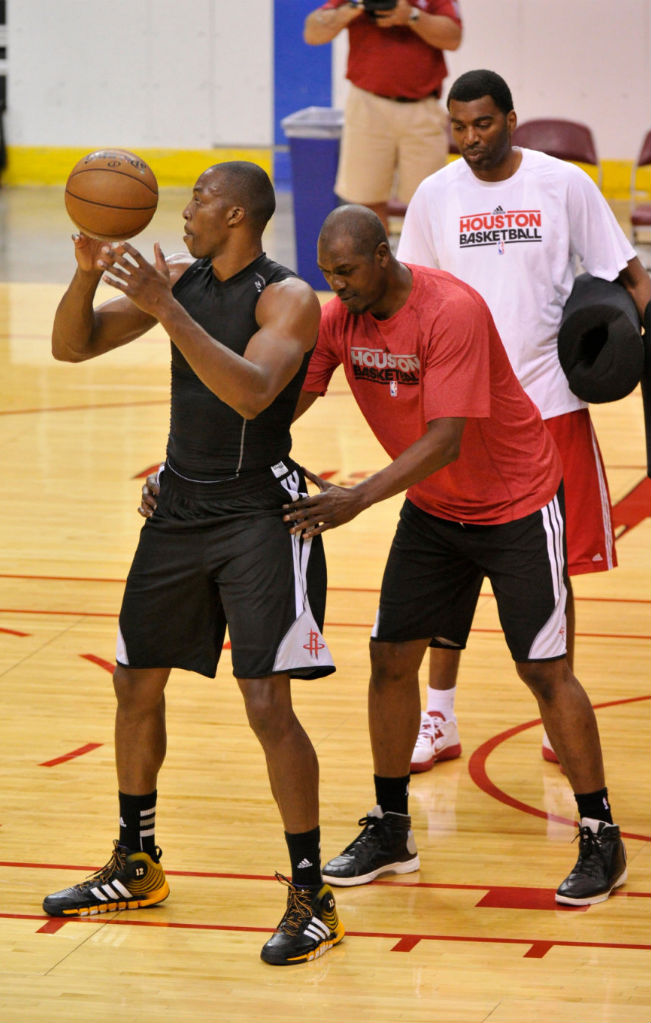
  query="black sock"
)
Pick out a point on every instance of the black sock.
point(392, 794)
point(305, 857)
point(137, 822)
point(594, 805)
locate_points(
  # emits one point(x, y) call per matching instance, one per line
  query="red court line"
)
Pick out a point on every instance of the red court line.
point(61, 578)
point(365, 589)
point(99, 661)
point(536, 948)
point(130, 404)
point(74, 614)
point(504, 893)
point(494, 632)
point(331, 589)
point(479, 774)
point(84, 408)
point(88, 748)
point(367, 626)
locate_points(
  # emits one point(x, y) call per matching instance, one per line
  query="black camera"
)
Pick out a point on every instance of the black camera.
point(373, 6)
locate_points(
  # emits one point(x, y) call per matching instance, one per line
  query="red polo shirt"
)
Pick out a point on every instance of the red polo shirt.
point(396, 61)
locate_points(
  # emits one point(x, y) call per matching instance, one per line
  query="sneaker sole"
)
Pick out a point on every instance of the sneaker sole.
point(449, 753)
point(592, 900)
point(549, 755)
point(315, 953)
point(110, 907)
point(402, 867)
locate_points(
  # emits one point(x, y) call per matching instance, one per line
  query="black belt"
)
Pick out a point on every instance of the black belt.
point(410, 99)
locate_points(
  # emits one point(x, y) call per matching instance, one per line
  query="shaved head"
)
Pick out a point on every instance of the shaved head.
point(358, 224)
point(355, 258)
point(247, 185)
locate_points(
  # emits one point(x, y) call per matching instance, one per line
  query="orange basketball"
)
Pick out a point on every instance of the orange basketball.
point(111, 194)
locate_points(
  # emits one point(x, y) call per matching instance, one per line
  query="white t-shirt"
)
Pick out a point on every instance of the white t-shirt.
point(517, 242)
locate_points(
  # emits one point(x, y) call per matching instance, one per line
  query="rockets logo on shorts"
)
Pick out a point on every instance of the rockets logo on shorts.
point(501, 227)
point(314, 643)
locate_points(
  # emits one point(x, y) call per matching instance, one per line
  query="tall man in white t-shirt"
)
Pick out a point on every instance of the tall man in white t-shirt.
point(512, 223)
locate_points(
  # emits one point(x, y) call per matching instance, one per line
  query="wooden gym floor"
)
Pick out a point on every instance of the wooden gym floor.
point(475, 935)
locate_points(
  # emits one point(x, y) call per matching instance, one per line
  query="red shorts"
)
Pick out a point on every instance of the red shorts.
point(588, 511)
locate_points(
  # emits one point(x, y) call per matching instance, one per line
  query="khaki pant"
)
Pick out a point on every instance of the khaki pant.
point(383, 140)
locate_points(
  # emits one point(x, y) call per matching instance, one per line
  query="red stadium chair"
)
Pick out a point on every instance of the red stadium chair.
point(566, 140)
point(640, 207)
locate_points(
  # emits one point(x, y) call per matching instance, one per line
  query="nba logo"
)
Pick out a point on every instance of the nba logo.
point(393, 389)
point(500, 246)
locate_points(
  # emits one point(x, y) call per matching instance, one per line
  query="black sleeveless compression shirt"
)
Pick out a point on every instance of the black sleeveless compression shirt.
point(208, 439)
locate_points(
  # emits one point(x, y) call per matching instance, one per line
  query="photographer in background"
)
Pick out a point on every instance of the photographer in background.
point(393, 121)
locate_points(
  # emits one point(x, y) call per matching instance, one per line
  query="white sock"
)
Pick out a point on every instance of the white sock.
point(441, 700)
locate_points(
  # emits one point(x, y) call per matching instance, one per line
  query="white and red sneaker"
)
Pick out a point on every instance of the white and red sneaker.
point(547, 751)
point(437, 740)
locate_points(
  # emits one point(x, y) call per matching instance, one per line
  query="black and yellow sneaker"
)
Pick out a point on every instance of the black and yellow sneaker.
point(130, 880)
point(309, 927)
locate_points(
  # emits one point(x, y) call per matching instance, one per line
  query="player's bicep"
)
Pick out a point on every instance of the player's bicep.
point(288, 319)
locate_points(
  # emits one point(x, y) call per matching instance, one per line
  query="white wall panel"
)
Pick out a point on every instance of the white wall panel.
point(587, 60)
point(148, 73)
point(195, 74)
point(244, 74)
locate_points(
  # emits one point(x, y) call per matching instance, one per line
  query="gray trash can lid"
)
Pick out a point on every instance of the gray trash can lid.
point(314, 123)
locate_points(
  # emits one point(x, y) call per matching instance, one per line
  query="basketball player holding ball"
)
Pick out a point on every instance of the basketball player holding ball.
point(242, 328)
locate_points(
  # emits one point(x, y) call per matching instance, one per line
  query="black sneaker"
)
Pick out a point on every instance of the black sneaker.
point(601, 865)
point(130, 880)
point(385, 846)
point(309, 927)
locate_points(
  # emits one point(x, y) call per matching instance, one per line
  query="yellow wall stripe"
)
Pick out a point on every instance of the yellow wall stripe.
point(44, 165)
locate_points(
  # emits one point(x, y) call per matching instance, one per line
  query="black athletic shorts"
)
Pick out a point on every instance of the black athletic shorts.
point(218, 554)
point(435, 570)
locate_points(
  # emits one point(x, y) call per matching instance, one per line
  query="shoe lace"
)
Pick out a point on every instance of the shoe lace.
point(117, 862)
point(592, 856)
point(299, 906)
point(431, 731)
point(427, 728)
point(369, 835)
point(369, 824)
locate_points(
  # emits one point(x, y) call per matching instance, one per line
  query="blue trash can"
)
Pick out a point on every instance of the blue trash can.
point(313, 135)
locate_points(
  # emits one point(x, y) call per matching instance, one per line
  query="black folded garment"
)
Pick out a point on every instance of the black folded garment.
point(599, 343)
point(603, 354)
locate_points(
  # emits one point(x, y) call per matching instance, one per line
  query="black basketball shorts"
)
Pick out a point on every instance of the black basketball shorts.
point(435, 570)
point(219, 554)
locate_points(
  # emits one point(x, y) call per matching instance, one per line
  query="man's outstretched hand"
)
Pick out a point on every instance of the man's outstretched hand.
point(331, 507)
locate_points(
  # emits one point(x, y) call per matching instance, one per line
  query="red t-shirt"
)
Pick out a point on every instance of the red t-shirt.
point(440, 356)
point(396, 61)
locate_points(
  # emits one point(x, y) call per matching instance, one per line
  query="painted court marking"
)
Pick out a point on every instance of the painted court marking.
point(536, 948)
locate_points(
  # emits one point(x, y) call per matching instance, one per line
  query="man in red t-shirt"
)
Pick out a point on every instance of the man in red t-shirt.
point(393, 121)
point(484, 499)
